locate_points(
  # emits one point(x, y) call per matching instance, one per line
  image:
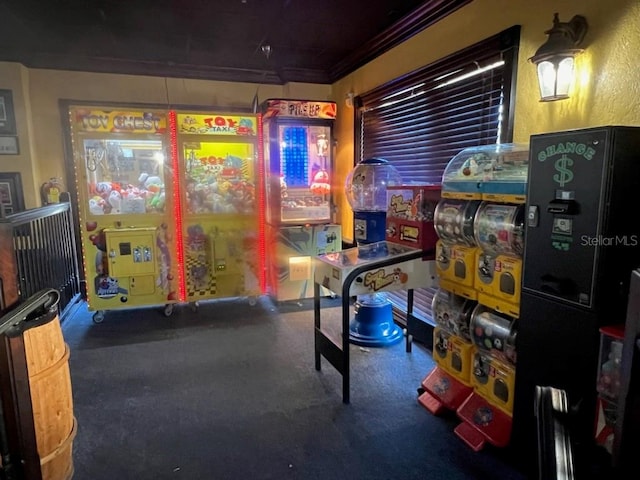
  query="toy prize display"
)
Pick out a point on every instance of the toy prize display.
point(127, 214)
point(487, 413)
point(489, 172)
point(219, 173)
point(298, 159)
point(456, 249)
point(499, 230)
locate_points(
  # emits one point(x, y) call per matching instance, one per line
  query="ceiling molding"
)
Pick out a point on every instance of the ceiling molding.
point(423, 17)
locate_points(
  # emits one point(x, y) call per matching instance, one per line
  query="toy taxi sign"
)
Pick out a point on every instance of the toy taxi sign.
point(217, 124)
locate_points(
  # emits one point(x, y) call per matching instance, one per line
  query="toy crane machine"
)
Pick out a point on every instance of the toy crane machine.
point(127, 219)
point(218, 166)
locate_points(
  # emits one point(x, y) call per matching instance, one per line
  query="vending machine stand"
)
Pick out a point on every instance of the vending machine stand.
point(356, 271)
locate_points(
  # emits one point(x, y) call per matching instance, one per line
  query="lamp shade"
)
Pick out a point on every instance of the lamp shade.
point(555, 58)
point(555, 77)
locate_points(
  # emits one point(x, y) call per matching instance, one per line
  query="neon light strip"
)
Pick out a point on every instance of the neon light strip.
point(78, 156)
point(177, 204)
point(261, 210)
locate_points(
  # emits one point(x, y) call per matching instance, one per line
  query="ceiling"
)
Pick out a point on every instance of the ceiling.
point(260, 41)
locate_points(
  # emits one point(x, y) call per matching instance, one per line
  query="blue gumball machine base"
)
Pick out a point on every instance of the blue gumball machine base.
point(372, 325)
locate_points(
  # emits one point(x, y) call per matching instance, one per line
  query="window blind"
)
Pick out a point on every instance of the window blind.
point(420, 121)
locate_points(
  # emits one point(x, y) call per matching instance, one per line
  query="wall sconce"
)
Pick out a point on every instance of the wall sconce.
point(348, 99)
point(555, 58)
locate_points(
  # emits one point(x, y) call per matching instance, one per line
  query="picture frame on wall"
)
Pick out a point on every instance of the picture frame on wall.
point(7, 114)
point(11, 195)
point(9, 145)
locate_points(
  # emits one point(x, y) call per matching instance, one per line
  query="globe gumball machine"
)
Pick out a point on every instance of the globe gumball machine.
point(366, 190)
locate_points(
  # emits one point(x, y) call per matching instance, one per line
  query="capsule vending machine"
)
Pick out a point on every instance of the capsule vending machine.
point(127, 214)
point(479, 222)
point(218, 163)
point(298, 154)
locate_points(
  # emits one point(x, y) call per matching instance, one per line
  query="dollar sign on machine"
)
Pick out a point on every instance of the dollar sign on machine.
point(564, 175)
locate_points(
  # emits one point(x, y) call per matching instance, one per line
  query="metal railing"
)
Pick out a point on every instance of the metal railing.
point(45, 255)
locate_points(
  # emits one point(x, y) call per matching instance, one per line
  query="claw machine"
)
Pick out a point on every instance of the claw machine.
point(218, 162)
point(125, 192)
point(298, 154)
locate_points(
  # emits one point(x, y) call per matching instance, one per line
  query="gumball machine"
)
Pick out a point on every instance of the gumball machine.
point(366, 191)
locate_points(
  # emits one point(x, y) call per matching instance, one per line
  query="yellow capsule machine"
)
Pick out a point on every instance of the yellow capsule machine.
point(479, 224)
point(127, 215)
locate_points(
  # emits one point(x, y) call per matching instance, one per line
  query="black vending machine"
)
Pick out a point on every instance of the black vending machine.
point(581, 244)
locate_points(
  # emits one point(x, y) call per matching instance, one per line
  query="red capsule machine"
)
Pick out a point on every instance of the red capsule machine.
point(410, 216)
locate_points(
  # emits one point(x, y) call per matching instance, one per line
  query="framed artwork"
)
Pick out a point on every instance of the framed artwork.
point(11, 195)
point(7, 116)
point(9, 145)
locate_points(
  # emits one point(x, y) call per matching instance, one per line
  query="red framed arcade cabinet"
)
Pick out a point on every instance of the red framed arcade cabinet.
point(218, 164)
point(298, 156)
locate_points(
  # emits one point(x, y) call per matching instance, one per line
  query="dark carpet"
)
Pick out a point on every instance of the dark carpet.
point(230, 392)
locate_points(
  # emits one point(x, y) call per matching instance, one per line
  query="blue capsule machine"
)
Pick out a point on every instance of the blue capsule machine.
point(366, 191)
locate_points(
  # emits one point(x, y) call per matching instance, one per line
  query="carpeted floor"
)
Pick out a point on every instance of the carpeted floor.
point(230, 392)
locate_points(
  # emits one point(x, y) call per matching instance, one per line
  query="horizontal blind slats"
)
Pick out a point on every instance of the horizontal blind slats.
point(419, 123)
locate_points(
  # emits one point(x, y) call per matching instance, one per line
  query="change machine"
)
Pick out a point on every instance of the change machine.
point(221, 234)
point(298, 154)
point(581, 247)
point(127, 218)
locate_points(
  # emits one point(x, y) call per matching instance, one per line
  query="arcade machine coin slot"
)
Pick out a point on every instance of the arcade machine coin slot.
point(132, 258)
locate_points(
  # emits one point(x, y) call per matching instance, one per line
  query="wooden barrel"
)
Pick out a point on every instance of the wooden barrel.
point(47, 357)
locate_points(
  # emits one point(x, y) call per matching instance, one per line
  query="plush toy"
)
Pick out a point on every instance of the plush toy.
point(103, 189)
point(320, 184)
point(95, 205)
point(115, 200)
point(145, 180)
point(133, 200)
point(157, 201)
